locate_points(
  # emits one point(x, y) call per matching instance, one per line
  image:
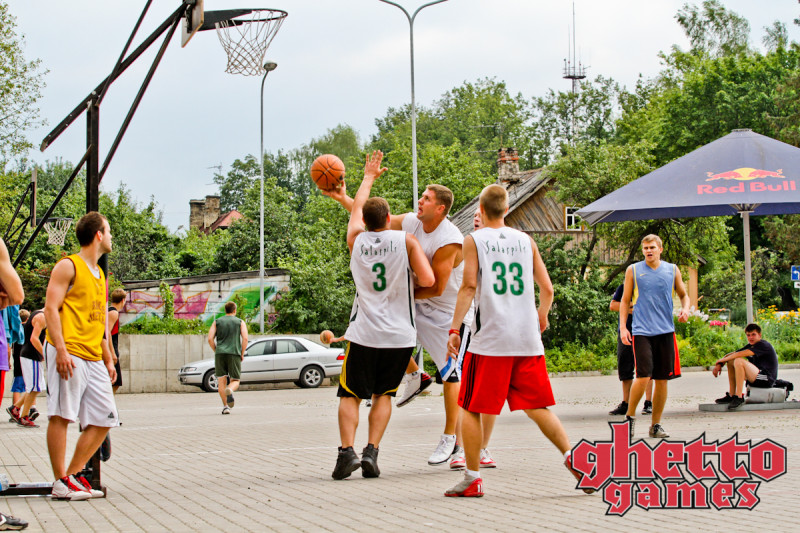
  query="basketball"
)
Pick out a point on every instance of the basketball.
point(326, 336)
point(327, 171)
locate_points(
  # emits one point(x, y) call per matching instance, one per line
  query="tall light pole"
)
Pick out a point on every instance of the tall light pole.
point(413, 103)
point(268, 67)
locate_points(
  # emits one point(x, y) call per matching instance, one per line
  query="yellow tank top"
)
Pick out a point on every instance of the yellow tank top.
point(83, 313)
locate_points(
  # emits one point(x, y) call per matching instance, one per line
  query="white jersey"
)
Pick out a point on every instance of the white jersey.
point(444, 234)
point(506, 321)
point(383, 309)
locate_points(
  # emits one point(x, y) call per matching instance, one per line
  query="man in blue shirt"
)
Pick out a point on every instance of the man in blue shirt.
point(649, 285)
point(756, 362)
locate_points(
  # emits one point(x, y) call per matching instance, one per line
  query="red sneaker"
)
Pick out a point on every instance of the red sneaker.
point(26, 422)
point(568, 464)
point(468, 488)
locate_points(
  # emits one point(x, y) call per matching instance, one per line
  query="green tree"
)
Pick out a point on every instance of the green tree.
point(20, 87)
point(714, 30)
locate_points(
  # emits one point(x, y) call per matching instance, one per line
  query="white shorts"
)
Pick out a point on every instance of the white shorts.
point(86, 396)
point(32, 374)
point(432, 327)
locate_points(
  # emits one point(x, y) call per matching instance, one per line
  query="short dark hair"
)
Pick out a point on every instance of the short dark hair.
point(443, 195)
point(752, 327)
point(376, 209)
point(230, 307)
point(118, 295)
point(88, 226)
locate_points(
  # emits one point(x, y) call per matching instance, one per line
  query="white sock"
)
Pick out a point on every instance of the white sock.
point(448, 437)
point(472, 474)
point(415, 373)
point(567, 454)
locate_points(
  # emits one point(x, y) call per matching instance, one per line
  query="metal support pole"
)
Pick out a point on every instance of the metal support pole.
point(748, 267)
point(413, 101)
point(268, 67)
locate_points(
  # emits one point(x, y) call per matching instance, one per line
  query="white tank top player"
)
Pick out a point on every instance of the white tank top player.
point(445, 233)
point(505, 292)
point(383, 315)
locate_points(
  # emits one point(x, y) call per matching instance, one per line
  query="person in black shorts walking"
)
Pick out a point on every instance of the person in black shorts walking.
point(228, 338)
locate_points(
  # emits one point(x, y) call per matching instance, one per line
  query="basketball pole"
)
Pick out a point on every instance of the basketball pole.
point(268, 67)
point(413, 102)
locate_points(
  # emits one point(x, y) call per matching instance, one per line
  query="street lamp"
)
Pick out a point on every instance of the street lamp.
point(413, 104)
point(268, 67)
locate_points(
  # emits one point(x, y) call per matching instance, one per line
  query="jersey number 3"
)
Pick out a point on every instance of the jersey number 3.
point(380, 274)
point(516, 287)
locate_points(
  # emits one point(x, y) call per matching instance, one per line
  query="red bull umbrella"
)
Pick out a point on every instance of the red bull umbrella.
point(742, 172)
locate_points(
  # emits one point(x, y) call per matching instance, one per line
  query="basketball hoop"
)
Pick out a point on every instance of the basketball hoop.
point(245, 34)
point(57, 229)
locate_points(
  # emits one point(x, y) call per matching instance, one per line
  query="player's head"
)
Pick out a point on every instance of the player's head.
point(376, 213)
point(230, 308)
point(753, 333)
point(494, 202)
point(435, 203)
point(24, 314)
point(93, 227)
point(477, 219)
point(118, 296)
point(652, 247)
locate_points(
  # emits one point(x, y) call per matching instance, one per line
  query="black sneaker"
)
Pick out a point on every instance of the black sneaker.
point(735, 403)
point(8, 522)
point(105, 449)
point(346, 463)
point(369, 462)
point(633, 423)
point(725, 399)
point(648, 408)
point(621, 409)
point(33, 414)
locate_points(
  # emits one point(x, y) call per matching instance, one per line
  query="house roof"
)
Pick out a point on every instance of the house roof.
point(224, 221)
point(529, 182)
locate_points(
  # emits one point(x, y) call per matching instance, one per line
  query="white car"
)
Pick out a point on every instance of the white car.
point(273, 359)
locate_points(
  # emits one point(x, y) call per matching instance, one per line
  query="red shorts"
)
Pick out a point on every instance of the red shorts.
point(488, 381)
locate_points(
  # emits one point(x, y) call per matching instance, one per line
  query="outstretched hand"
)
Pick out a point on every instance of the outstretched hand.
point(338, 193)
point(372, 168)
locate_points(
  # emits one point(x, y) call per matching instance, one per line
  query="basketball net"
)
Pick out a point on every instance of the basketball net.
point(56, 229)
point(246, 40)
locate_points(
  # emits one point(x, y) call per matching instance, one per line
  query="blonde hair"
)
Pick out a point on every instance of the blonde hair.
point(653, 238)
point(494, 200)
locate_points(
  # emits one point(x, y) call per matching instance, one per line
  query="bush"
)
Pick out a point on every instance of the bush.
point(156, 325)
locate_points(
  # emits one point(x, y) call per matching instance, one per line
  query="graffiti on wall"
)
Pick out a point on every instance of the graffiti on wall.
point(204, 301)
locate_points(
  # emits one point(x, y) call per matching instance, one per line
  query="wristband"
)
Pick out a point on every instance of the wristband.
point(454, 332)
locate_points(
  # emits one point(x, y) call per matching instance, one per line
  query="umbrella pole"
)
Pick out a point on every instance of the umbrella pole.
point(748, 267)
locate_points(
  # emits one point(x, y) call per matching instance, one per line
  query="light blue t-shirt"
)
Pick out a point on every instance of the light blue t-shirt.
point(652, 296)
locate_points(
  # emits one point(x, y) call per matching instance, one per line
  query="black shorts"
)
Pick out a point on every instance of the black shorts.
point(625, 364)
point(762, 381)
point(657, 356)
point(367, 371)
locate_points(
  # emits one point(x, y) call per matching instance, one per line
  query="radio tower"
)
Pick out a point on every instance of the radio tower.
point(573, 70)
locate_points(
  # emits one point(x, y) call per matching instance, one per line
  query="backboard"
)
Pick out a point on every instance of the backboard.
point(192, 21)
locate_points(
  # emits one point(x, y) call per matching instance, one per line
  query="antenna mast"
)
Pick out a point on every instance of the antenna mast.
point(575, 71)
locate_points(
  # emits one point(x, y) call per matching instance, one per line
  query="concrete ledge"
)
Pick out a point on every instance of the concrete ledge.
point(723, 408)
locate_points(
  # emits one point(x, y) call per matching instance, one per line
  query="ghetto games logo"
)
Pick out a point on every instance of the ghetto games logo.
point(675, 474)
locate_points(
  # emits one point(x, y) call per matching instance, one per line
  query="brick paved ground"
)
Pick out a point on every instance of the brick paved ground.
point(178, 465)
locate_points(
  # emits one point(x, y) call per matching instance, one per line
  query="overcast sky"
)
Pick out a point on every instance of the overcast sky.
point(339, 61)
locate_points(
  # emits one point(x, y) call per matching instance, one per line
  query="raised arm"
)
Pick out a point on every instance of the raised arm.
point(340, 195)
point(419, 263)
point(372, 169)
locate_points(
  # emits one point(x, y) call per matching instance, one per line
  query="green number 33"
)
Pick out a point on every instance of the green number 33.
point(501, 285)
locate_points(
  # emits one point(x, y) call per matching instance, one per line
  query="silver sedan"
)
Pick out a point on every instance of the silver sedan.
point(273, 359)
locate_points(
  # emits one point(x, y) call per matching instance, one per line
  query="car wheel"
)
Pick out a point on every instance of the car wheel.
point(210, 381)
point(311, 377)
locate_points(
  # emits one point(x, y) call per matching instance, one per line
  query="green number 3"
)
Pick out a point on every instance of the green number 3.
point(380, 274)
point(501, 286)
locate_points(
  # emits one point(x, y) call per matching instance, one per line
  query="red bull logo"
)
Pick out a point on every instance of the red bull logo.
point(745, 174)
point(742, 175)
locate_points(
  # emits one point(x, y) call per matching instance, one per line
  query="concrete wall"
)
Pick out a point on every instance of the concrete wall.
point(150, 363)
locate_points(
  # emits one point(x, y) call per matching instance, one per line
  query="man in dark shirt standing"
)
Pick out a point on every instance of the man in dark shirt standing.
point(757, 363)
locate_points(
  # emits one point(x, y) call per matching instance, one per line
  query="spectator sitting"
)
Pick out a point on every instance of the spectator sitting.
point(757, 363)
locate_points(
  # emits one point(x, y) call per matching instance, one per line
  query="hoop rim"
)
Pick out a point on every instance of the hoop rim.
point(212, 18)
point(57, 219)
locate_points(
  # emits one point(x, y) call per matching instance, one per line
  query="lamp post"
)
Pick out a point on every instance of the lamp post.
point(268, 67)
point(413, 103)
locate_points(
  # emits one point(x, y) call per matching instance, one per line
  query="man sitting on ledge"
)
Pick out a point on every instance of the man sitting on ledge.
point(757, 363)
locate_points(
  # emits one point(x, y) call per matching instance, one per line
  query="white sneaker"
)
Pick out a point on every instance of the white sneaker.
point(443, 451)
point(418, 382)
point(67, 488)
point(486, 459)
point(458, 460)
point(82, 482)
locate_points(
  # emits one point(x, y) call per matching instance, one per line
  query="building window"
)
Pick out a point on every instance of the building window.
point(572, 222)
